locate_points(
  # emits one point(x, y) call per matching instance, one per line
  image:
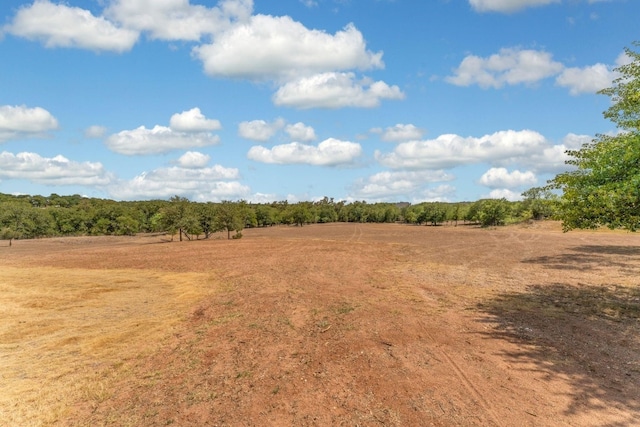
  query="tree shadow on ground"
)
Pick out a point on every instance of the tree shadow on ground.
point(590, 257)
point(586, 334)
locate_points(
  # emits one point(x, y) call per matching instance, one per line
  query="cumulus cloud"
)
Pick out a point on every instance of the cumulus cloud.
point(59, 25)
point(95, 132)
point(508, 6)
point(192, 178)
point(510, 66)
point(513, 66)
point(451, 150)
point(151, 186)
point(504, 193)
point(193, 160)
point(552, 158)
point(589, 79)
point(279, 48)
point(334, 90)
point(399, 133)
point(239, 44)
point(178, 19)
point(160, 139)
point(389, 185)
point(300, 132)
point(502, 178)
point(56, 170)
point(22, 121)
point(260, 130)
point(193, 121)
point(330, 152)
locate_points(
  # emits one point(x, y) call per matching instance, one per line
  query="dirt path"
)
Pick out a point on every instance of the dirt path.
point(358, 324)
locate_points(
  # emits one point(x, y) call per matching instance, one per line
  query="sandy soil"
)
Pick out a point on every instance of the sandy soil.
point(345, 324)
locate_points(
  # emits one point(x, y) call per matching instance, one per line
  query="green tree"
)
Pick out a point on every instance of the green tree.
point(180, 217)
point(7, 233)
point(207, 218)
point(538, 204)
point(266, 215)
point(490, 212)
point(604, 187)
point(302, 214)
point(20, 220)
point(229, 217)
point(326, 210)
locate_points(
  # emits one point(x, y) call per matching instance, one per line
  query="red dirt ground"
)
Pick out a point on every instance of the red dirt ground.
point(380, 325)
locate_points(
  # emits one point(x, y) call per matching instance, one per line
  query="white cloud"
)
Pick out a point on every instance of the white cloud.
point(330, 152)
point(241, 45)
point(58, 25)
point(262, 198)
point(300, 132)
point(501, 177)
point(57, 170)
point(259, 130)
point(20, 121)
point(193, 121)
point(508, 6)
point(178, 19)
point(160, 139)
point(193, 160)
point(552, 158)
point(451, 150)
point(441, 193)
point(191, 178)
point(589, 79)
point(575, 142)
point(386, 186)
point(501, 193)
point(334, 90)
point(279, 48)
point(399, 133)
point(95, 132)
point(508, 67)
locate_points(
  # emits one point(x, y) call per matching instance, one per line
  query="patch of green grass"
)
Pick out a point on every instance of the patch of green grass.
point(243, 374)
point(286, 321)
point(344, 308)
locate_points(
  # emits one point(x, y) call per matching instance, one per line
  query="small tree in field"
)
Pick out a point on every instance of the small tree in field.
point(229, 217)
point(179, 216)
point(7, 234)
point(490, 212)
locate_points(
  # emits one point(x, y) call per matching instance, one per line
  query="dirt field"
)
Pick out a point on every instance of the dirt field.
point(324, 325)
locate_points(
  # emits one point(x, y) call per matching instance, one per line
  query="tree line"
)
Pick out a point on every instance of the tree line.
point(602, 189)
point(27, 216)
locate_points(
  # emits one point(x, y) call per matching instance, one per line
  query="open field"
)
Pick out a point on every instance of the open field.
point(338, 324)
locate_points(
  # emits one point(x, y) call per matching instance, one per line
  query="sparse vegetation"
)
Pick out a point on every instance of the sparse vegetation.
point(126, 331)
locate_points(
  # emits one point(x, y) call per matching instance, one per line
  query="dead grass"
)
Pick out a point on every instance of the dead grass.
point(336, 324)
point(67, 333)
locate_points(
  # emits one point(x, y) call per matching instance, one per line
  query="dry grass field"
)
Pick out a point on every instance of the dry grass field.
point(338, 324)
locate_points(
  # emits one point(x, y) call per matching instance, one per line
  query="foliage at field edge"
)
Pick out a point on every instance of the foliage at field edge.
point(26, 216)
point(604, 187)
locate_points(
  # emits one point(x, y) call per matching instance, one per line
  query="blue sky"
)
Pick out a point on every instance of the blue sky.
point(376, 100)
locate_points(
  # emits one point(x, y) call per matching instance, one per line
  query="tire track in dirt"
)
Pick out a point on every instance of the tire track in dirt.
point(356, 236)
point(464, 379)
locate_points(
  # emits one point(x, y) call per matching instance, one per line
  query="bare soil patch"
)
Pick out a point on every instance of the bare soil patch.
point(338, 324)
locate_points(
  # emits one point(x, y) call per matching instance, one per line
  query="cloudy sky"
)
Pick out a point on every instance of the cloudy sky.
point(376, 100)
